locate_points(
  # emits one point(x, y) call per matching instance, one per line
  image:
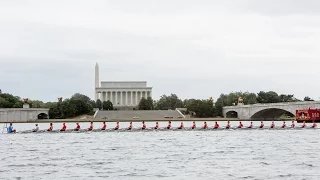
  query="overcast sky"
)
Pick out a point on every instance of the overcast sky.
point(195, 49)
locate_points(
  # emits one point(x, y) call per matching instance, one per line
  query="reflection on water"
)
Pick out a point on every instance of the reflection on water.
point(238, 154)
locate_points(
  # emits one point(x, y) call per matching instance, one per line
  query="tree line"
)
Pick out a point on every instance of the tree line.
point(80, 104)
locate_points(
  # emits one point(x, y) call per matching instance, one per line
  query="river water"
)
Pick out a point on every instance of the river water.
point(227, 154)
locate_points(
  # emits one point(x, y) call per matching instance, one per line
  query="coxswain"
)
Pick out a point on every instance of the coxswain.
point(91, 127)
point(205, 126)
point(50, 127)
point(303, 124)
point(251, 125)
point(117, 126)
point(216, 125)
point(283, 125)
point(261, 124)
point(157, 126)
point(314, 125)
point(10, 129)
point(228, 125)
point(104, 126)
point(240, 125)
point(64, 127)
point(292, 124)
point(130, 126)
point(169, 125)
point(36, 129)
point(181, 126)
point(193, 125)
point(143, 126)
point(272, 125)
point(77, 127)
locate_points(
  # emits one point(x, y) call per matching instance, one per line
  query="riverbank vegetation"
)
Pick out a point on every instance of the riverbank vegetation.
point(80, 104)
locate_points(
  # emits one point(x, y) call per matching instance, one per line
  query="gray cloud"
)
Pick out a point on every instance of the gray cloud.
point(191, 48)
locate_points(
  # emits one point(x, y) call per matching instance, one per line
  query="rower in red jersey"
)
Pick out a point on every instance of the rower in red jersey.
point(143, 126)
point(240, 125)
point(50, 127)
point(272, 125)
point(157, 126)
point(64, 127)
point(130, 126)
point(117, 126)
point(104, 126)
point(283, 125)
point(303, 124)
point(169, 125)
point(91, 127)
point(77, 127)
point(216, 125)
point(293, 125)
point(205, 126)
point(228, 125)
point(251, 125)
point(193, 125)
point(314, 125)
point(181, 126)
point(261, 125)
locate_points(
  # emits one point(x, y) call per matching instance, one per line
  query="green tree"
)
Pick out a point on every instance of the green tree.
point(107, 105)
point(201, 108)
point(99, 104)
point(268, 97)
point(168, 102)
point(150, 103)
point(146, 104)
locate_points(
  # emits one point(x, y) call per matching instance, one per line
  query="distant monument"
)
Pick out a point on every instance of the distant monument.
point(26, 103)
point(240, 101)
point(121, 93)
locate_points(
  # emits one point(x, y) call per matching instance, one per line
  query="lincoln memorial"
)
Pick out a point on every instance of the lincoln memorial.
point(121, 93)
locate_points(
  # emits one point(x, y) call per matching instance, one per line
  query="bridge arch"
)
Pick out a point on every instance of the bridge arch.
point(232, 114)
point(272, 113)
point(43, 116)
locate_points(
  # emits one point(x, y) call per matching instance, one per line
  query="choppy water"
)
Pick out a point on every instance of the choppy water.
point(238, 154)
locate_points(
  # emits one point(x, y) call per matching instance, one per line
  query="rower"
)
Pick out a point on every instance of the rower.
point(169, 125)
point(181, 126)
point(10, 129)
point(240, 125)
point(261, 125)
point(251, 125)
point(77, 127)
point(104, 126)
point(216, 125)
point(50, 127)
point(228, 125)
point(64, 127)
point(36, 129)
point(314, 125)
point(193, 125)
point(157, 126)
point(130, 126)
point(293, 125)
point(143, 126)
point(283, 125)
point(91, 127)
point(272, 125)
point(117, 126)
point(303, 124)
point(205, 126)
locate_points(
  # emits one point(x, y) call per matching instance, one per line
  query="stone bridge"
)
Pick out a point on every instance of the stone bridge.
point(271, 110)
point(23, 114)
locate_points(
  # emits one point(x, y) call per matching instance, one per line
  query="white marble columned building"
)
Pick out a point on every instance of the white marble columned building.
point(121, 93)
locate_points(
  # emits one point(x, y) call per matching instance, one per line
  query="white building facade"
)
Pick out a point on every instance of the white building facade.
point(121, 93)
